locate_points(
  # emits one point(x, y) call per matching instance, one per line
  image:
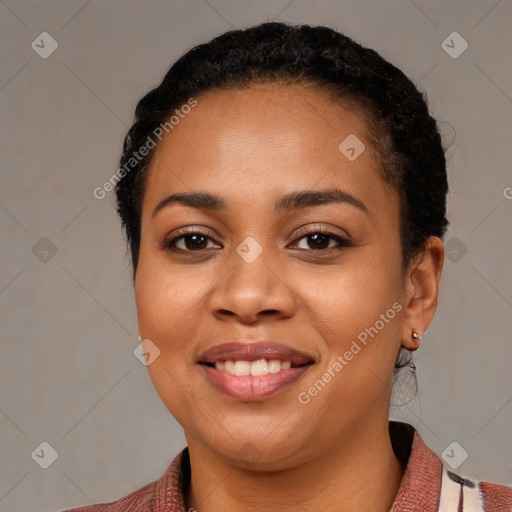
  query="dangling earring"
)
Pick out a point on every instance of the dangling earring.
point(417, 338)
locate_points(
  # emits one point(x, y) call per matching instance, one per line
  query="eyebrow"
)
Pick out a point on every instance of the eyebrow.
point(293, 201)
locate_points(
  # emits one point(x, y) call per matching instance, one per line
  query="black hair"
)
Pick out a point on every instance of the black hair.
point(402, 131)
point(405, 134)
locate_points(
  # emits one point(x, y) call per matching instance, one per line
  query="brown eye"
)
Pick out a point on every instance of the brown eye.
point(320, 241)
point(192, 242)
point(189, 242)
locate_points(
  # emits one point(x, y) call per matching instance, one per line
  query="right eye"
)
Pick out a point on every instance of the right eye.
point(188, 241)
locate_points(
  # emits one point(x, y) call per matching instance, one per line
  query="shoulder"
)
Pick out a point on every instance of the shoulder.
point(496, 497)
point(429, 485)
point(163, 494)
point(465, 494)
point(141, 500)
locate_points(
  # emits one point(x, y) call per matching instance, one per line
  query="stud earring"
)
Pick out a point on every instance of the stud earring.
point(417, 337)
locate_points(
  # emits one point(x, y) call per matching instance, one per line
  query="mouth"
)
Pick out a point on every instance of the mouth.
point(253, 371)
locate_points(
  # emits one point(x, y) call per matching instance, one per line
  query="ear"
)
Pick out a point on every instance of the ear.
point(422, 282)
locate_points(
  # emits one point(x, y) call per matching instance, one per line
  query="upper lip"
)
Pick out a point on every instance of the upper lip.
point(241, 350)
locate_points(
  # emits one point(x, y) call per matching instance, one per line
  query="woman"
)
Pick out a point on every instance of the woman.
point(283, 194)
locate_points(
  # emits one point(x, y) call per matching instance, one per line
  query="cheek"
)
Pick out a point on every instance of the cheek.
point(168, 306)
point(168, 302)
point(355, 297)
point(172, 311)
point(362, 310)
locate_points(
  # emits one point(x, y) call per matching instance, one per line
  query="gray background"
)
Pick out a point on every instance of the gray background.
point(68, 375)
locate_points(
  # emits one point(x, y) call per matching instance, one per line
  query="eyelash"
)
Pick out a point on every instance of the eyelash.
point(169, 244)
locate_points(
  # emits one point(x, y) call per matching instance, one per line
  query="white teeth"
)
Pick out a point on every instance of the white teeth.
point(274, 366)
point(254, 368)
point(259, 367)
point(242, 368)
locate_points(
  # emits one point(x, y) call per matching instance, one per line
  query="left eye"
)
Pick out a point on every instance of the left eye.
point(321, 241)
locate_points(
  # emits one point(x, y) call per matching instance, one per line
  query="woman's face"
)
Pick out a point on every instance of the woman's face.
point(271, 260)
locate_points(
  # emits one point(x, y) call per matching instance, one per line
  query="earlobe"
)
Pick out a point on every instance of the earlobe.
point(422, 286)
point(415, 341)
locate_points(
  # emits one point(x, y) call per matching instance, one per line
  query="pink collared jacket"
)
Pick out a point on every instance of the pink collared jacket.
point(427, 485)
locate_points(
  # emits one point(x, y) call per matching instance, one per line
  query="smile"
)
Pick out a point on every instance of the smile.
point(254, 368)
point(253, 371)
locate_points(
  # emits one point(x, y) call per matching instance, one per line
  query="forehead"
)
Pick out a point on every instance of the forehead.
point(265, 139)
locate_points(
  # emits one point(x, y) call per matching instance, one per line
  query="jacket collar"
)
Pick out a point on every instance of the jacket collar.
point(419, 488)
point(421, 483)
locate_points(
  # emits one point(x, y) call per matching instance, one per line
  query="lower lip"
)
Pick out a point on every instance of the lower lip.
point(253, 389)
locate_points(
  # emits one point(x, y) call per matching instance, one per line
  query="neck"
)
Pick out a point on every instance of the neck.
point(364, 476)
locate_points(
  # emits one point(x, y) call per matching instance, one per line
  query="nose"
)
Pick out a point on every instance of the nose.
point(251, 292)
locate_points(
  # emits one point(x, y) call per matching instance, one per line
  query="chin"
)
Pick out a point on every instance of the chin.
point(256, 449)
